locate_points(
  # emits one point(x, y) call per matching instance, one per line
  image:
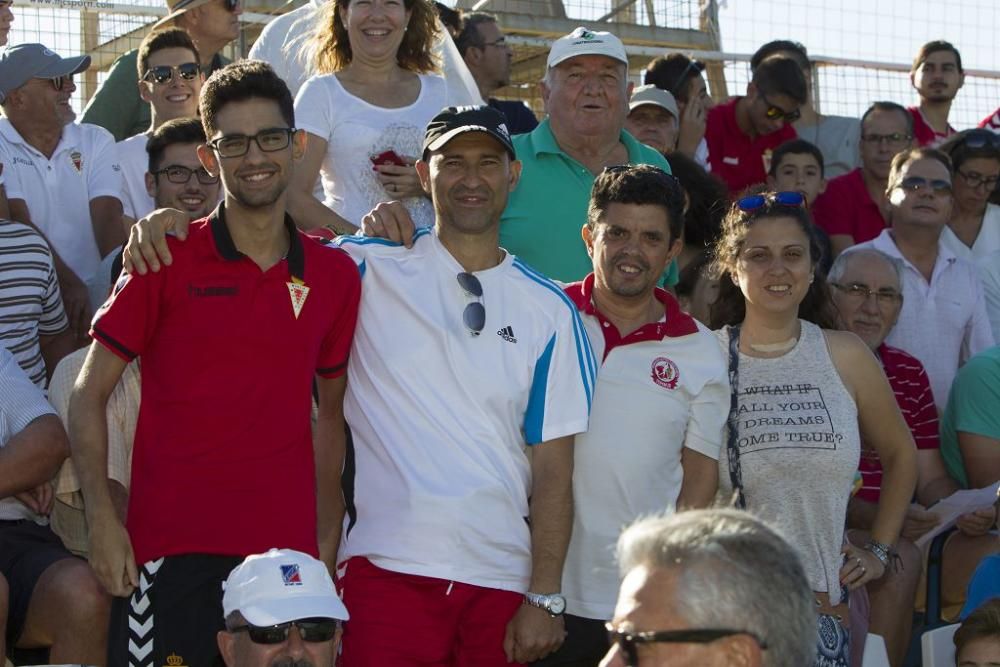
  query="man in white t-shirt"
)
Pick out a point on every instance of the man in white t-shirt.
point(661, 399)
point(170, 80)
point(62, 178)
point(469, 376)
point(943, 321)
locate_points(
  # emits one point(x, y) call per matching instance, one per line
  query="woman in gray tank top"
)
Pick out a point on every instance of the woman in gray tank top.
point(803, 393)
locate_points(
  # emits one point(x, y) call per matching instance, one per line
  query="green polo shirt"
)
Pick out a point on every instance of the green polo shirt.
point(542, 221)
point(973, 407)
point(117, 107)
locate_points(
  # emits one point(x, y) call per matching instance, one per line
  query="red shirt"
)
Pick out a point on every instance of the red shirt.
point(847, 208)
point(736, 158)
point(909, 383)
point(924, 134)
point(223, 457)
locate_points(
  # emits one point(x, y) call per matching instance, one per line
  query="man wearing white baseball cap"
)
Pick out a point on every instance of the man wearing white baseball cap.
point(266, 596)
point(586, 92)
point(652, 118)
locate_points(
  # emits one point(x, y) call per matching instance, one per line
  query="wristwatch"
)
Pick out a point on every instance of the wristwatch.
point(553, 603)
point(881, 551)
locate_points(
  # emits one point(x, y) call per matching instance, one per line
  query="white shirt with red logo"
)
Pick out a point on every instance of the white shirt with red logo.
point(660, 389)
point(58, 189)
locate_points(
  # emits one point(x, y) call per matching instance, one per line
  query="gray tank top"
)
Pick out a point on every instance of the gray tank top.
point(799, 447)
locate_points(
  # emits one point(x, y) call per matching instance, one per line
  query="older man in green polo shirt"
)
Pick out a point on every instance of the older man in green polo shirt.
point(586, 92)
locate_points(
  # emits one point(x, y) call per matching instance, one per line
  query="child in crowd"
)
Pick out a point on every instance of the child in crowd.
point(797, 166)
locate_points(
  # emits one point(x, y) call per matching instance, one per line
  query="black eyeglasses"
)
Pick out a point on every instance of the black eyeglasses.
point(310, 630)
point(974, 179)
point(861, 292)
point(180, 174)
point(231, 5)
point(500, 43)
point(892, 139)
point(269, 140)
point(751, 203)
point(164, 73)
point(627, 642)
point(939, 186)
point(775, 112)
point(474, 315)
point(59, 82)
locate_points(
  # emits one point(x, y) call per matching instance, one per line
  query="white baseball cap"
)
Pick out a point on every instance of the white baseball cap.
point(650, 94)
point(280, 586)
point(584, 42)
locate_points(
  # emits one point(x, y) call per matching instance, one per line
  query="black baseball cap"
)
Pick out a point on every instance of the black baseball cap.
point(453, 121)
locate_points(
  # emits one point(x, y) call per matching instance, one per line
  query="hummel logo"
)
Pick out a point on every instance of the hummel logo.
point(507, 333)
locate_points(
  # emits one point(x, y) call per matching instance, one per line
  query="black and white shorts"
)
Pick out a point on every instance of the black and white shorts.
point(172, 617)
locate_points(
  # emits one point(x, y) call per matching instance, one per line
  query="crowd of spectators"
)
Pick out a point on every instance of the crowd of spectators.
point(341, 300)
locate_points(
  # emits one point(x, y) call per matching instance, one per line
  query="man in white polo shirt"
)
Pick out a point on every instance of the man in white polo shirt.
point(469, 376)
point(661, 399)
point(61, 177)
point(943, 321)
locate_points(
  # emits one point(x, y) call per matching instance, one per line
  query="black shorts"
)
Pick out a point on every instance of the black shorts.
point(26, 551)
point(586, 644)
point(174, 614)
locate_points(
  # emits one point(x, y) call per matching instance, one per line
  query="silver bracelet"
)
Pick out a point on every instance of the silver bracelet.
point(881, 551)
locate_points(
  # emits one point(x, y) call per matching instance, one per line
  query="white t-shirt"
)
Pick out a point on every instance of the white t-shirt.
point(134, 160)
point(659, 390)
point(58, 190)
point(441, 419)
point(986, 243)
point(282, 45)
point(942, 323)
point(355, 131)
point(21, 402)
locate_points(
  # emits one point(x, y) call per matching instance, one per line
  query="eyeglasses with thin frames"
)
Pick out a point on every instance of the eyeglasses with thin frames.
point(628, 642)
point(181, 175)
point(885, 298)
point(891, 139)
point(237, 145)
point(975, 180)
point(162, 74)
point(310, 630)
point(500, 43)
point(474, 315)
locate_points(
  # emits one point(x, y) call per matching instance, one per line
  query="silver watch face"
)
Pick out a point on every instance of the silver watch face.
point(556, 605)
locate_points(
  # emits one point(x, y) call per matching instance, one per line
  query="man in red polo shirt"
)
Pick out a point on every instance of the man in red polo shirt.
point(230, 339)
point(742, 133)
point(937, 76)
point(850, 210)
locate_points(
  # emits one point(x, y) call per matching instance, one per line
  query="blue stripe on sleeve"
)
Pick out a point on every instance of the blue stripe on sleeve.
point(585, 355)
point(534, 416)
point(374, 240)
point(361, 268)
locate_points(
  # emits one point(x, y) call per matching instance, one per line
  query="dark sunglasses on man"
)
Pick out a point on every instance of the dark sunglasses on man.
point(312, 630)
point(162, 74)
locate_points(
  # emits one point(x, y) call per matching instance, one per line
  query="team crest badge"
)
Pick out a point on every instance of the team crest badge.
point(298, 292)
point(664, 373)
point(290, 575)
point(76, 157)
point(174, 660)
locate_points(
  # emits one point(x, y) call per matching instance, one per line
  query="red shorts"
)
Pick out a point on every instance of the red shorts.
point(404, 619)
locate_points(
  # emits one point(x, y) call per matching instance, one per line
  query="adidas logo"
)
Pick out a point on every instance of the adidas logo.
point(507, 333)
